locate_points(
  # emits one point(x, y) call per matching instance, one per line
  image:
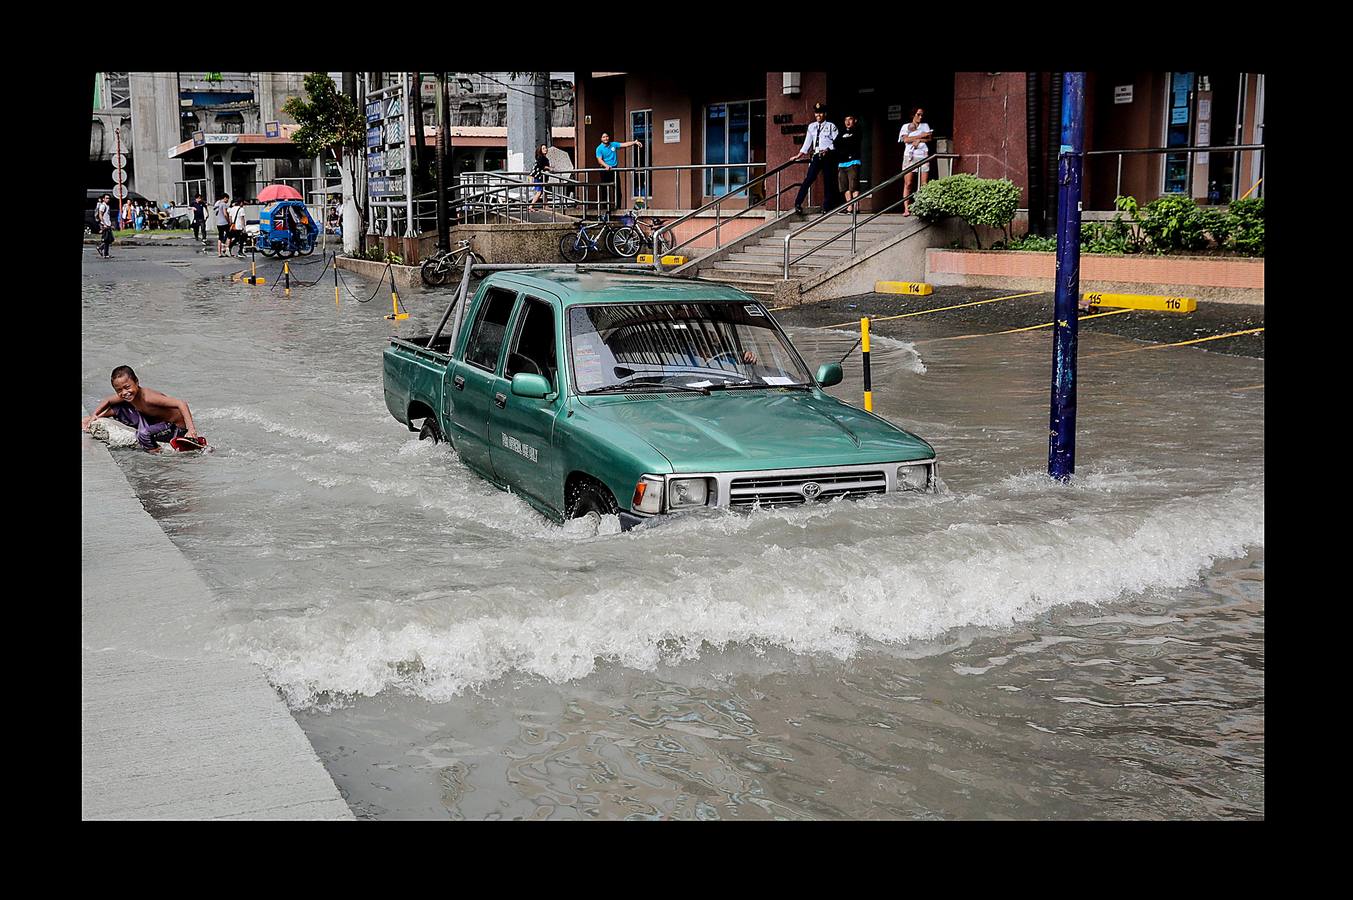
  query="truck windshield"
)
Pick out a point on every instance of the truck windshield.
point(713, 346)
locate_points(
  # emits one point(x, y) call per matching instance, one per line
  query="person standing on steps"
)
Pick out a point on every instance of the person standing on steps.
point(914, 135)
point(848, 162)
point(818, 147)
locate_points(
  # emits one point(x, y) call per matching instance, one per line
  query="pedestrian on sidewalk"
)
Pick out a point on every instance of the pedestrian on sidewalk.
point(104, 217)
point(199, 219)
point(848, 161)
point(221, 209)
point(238, 220)
point(819, 145)
point(914, 135)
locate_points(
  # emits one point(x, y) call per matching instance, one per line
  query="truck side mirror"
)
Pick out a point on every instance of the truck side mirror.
point(531, 386)
point(829, 374)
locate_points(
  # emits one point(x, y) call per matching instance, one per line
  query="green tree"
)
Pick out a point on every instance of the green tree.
point(331, 124)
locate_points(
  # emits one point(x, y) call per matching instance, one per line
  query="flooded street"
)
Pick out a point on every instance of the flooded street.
point(1006, 648)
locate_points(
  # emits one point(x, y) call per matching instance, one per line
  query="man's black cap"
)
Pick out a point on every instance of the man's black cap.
point(819, 107)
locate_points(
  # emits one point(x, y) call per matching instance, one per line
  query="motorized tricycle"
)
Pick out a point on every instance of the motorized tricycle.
point(286, 228)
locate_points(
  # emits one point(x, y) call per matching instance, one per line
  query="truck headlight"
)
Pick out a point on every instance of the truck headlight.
point(684, 492)
point(647, 495)
point(913, 478)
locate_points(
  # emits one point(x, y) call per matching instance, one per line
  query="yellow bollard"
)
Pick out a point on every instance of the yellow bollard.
point(864, 352)
point(253, 278)
point(286, 273)
point(394, 300)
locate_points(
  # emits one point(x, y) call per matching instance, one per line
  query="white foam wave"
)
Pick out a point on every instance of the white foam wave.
point(827, 599)
point(239, 414)
point(900, 353)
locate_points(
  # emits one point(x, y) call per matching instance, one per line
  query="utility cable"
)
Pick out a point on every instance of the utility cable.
point(344, 282)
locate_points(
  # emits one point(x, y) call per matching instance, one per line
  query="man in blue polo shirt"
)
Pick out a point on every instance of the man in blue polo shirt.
point(608, 160)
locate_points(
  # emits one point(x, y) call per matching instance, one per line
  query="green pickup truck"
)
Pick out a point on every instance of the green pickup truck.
point(639, 395)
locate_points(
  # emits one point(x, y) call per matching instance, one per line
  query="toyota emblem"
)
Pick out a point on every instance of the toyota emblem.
point(811, 489)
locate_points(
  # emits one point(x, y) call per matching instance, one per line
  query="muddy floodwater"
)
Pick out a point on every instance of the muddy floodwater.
point(1006, 648)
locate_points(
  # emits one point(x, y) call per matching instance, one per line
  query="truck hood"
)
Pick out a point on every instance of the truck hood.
point(744, 430)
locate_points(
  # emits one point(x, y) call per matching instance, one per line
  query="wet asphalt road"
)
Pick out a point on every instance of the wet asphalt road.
point(1026, 311)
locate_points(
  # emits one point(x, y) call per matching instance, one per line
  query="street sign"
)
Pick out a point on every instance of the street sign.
point(119, 160)
point(120, 192)
point(119, 176)
point(272, 129)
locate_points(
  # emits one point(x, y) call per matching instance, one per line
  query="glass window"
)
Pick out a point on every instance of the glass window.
point(647, 346)
point(641, 129)
point(533, 348)
point(716, 148)
point(490, 324)
point(734, 133)
point(1178, 126)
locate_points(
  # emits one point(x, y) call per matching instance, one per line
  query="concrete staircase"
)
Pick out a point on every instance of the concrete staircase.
point(758, 267)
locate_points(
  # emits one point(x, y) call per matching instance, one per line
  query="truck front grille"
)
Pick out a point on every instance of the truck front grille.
point(787, 490)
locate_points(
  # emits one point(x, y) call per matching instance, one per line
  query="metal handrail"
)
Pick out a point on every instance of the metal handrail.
point(1221, 148)
point(854, 213)
point(717, 202)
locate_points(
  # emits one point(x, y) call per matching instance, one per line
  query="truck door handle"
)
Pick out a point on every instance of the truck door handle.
point(500, 400)
point(459, 382)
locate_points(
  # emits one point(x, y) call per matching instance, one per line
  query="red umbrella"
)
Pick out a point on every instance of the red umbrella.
point(278, 192)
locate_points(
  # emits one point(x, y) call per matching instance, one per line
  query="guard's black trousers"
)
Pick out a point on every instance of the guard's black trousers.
point(831, 194)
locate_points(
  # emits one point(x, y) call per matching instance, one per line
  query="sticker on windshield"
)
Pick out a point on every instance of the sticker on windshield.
point(754, 311)
point(776, 379)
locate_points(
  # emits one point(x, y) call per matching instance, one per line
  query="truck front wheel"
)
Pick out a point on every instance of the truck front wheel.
point(430, 430)
point(586, 497)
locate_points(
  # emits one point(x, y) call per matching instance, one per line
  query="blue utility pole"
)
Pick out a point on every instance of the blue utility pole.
point(1062, 417)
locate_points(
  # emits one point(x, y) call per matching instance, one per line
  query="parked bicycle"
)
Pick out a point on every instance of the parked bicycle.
point(604, 236)
point(438, 268)
point(646, 230)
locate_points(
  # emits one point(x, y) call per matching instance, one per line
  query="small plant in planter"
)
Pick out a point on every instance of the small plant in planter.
point(978, 201)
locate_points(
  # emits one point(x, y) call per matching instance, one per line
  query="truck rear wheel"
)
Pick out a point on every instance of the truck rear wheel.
point(430, 430)
point(587, 497)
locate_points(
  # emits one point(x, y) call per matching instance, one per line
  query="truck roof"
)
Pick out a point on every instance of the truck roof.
point(574, 287)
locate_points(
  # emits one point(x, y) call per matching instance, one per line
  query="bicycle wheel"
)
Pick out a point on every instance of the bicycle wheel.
point(432, 271)
point(664, 243)
point(625, 241)
point(573, 247)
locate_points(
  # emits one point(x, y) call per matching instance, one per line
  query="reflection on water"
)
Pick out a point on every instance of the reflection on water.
point(1006, 648)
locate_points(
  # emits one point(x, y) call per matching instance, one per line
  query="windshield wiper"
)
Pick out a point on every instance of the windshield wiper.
point(643, 383)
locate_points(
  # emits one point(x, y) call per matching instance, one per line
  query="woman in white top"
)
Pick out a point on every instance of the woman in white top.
point(237, 223)
point(914, 135)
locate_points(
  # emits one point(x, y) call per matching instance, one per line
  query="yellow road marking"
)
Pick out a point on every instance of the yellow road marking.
point(939, 309)
point(1215, 337)
point(963, 337)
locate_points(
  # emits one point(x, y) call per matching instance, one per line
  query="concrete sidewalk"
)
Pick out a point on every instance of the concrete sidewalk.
point(170, 730)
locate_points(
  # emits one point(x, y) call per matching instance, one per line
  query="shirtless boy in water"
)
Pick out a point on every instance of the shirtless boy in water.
point(155, 416)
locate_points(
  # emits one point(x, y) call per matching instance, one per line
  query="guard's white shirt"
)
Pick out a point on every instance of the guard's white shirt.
point(821, 136)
